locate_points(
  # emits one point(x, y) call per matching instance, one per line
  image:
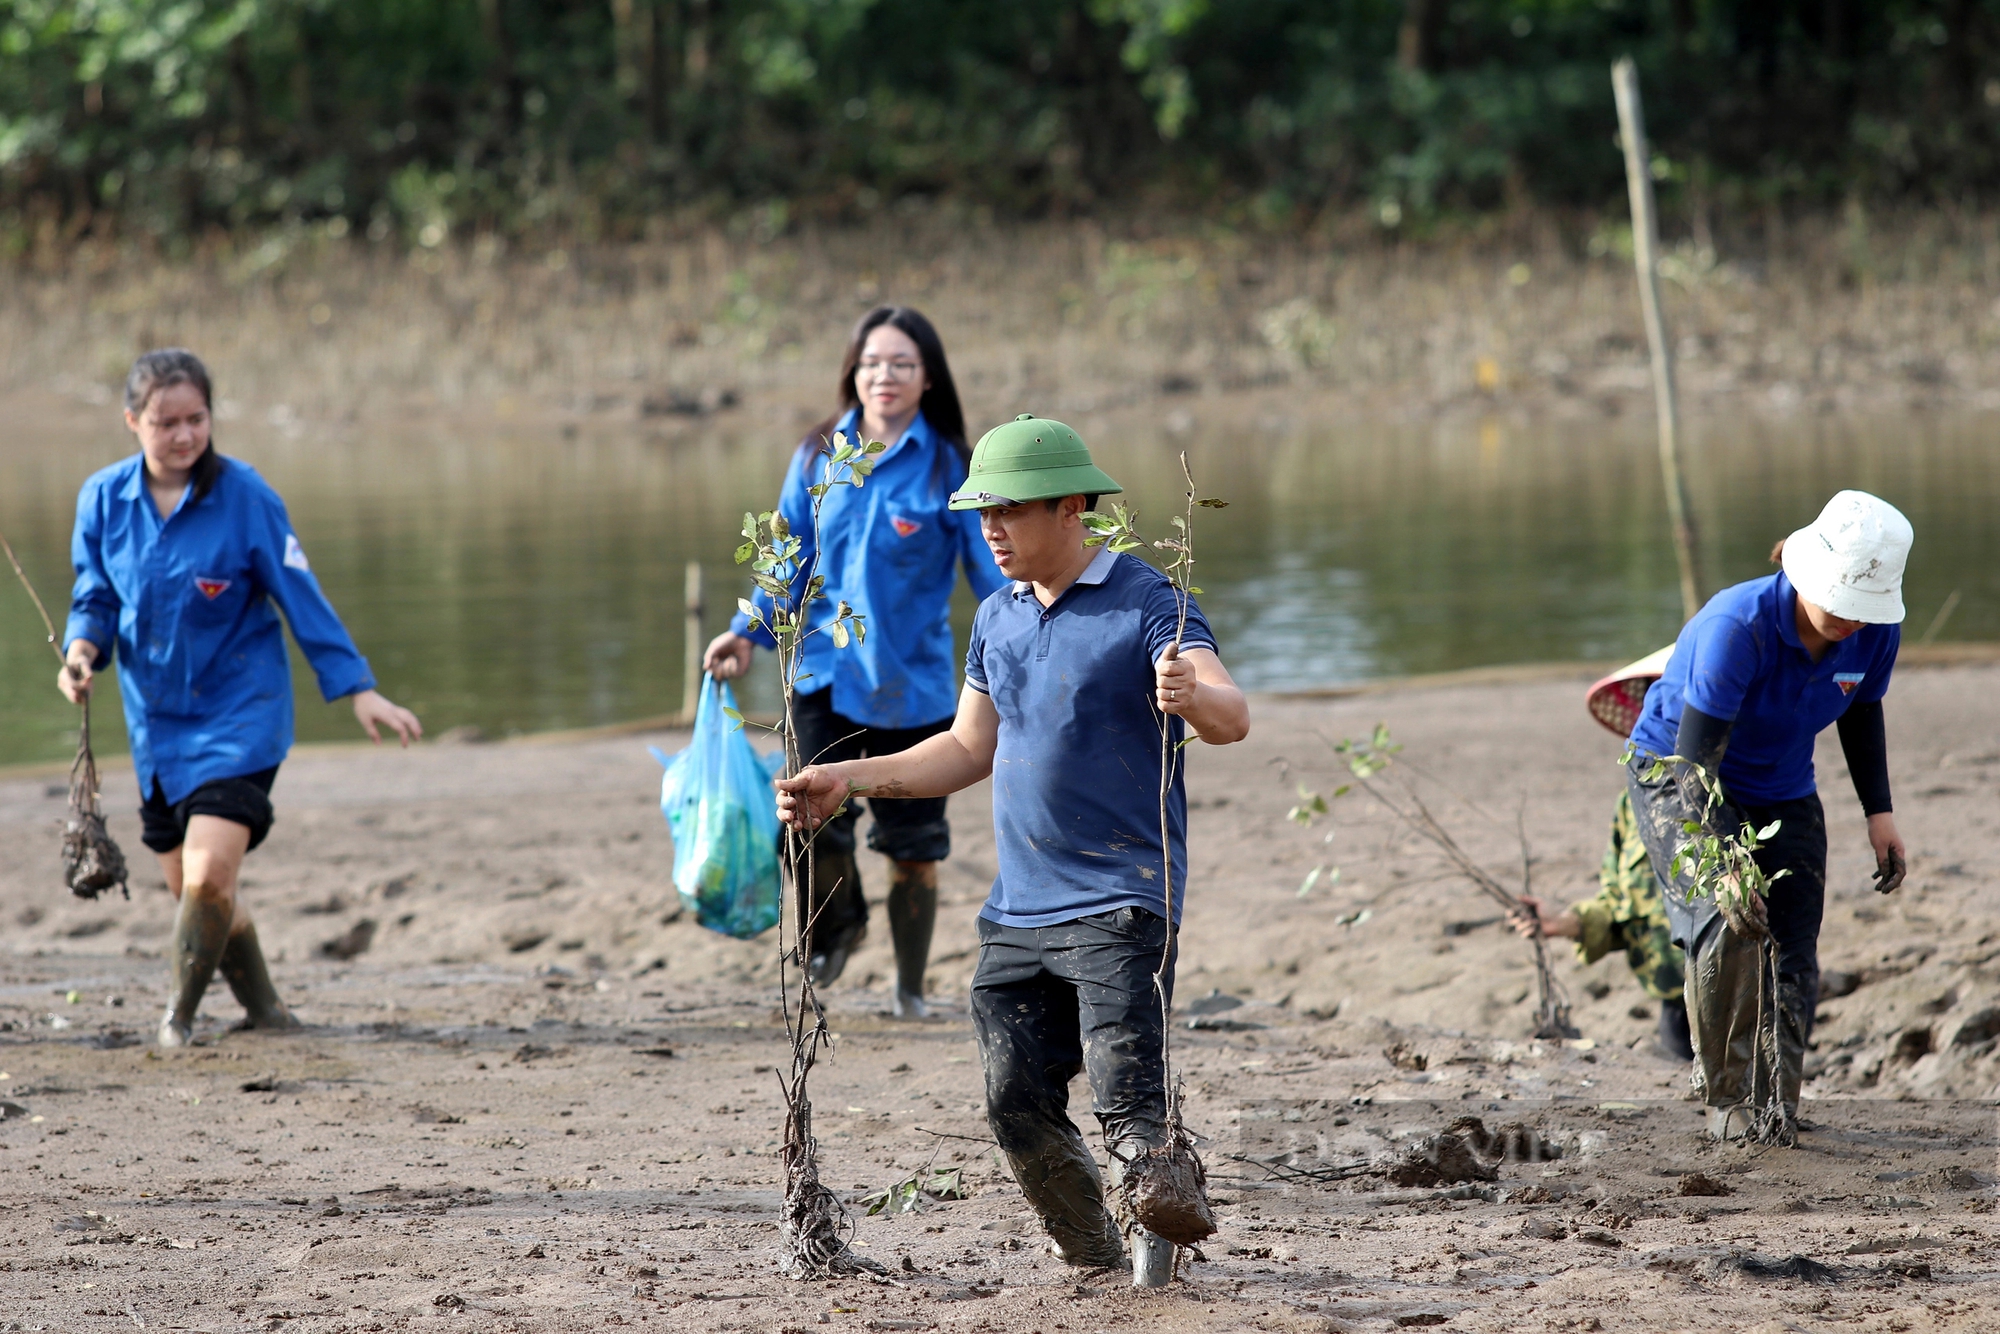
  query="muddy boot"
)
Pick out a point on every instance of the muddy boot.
point(839, 912)
point(201, 928)
point(243, 968)
point(1152, 1254)
point(1152, 1259)
point(1062, 1185)
point(1730, 1123)
point(912, 919)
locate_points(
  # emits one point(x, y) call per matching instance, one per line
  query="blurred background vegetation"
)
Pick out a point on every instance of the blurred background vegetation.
point(429, 120)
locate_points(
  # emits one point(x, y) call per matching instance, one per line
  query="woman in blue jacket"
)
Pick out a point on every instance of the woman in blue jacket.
point(180, 556)
point(1753, 680)
point(892, 550)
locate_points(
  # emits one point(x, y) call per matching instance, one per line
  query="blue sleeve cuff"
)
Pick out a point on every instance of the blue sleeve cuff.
point(344, 680)
point(85, 627)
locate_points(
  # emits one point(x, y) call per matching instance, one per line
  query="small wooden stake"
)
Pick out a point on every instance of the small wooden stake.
point(691, 678)
point(1646, 255)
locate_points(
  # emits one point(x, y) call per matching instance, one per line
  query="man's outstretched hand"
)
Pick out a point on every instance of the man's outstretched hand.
point(812, 798)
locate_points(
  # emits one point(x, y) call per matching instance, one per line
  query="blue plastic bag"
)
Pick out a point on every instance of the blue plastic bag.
point(717, 799)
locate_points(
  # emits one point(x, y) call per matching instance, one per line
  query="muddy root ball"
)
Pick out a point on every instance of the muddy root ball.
point(92, 862)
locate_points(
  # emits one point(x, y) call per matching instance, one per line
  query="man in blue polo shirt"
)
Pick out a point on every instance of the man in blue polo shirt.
point(1071, 674)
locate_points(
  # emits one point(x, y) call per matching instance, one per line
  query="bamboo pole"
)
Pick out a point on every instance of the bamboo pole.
point(1646, 256)
point(691, 674)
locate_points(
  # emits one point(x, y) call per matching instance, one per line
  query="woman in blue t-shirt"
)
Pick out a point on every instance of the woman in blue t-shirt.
point(1754, 679)
point(892, 550)
point(181, 555)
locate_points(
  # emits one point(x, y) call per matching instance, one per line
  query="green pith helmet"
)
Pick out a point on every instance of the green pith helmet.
point(1030, 458)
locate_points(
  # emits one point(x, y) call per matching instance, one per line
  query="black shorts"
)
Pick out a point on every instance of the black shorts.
point(906, 829)
point(245, 800)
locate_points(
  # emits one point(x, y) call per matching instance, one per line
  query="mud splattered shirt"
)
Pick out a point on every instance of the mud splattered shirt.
point(1740, 659)
point(1076, 775)
point(188, 605)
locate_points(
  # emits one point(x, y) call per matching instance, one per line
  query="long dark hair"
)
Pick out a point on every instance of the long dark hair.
point(939, 403)
point(164, 368)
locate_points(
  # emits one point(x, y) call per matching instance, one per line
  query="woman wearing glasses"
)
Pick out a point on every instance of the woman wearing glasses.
point(891, 549)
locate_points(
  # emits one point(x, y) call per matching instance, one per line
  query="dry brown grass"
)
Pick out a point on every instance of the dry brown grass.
point(1058, 317)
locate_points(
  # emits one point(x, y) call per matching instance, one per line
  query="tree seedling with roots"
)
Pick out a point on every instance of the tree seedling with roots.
point(814, 1230)
point(92, 860)
point(1366, 760)
point(1165, 1186)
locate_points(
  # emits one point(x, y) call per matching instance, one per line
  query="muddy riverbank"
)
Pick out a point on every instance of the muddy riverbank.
point(533, 1097)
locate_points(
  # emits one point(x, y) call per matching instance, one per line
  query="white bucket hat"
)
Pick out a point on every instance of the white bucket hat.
point(1850, 560)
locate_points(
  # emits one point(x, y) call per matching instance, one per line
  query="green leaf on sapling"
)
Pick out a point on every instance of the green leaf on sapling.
point(1213, 504)
point(839, 632)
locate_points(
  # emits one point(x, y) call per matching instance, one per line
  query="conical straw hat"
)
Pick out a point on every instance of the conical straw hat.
point(1615, 701)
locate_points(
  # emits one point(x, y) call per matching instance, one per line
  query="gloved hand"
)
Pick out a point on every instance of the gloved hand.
point(1890, 868)
point(1744, 910)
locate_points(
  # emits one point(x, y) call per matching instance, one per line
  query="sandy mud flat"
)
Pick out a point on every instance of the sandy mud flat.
point(533, 1097)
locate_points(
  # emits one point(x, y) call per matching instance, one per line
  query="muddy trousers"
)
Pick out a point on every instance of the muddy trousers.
point(1048, 1002)
point(1731, 980)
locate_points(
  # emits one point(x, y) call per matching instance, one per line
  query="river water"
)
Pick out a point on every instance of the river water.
point(524, 581)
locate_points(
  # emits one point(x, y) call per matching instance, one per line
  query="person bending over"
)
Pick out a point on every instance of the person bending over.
point(1070, 675)
point(1754, 678)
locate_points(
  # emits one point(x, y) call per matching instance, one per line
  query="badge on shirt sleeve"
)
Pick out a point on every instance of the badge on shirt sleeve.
point(1848, 680)
point(904, 527)
point(295, 555)
point(211, 588)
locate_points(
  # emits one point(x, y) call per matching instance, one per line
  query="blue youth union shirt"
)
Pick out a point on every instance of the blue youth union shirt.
point(1741, 659)
point(186, 606)
point(892, 552)
point(1076, 775)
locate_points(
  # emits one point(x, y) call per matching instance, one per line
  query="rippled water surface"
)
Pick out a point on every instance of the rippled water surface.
point(523, 581)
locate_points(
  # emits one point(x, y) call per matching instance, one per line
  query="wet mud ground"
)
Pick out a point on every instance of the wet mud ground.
point(532, 1098)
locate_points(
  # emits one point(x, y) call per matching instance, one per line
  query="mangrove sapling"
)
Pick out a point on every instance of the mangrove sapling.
point(1164, 1186)
point(1366, 760)
point(814, 1229)
point(1722, 866)
point(92, 860)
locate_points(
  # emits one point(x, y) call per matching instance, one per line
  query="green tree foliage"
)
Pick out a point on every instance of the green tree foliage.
point(422, 118)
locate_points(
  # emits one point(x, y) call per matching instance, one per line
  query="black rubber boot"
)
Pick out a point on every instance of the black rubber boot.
point(201, 928)
point(912, 920)
point(839, 914)
point(243, 968)
point(1675, 1039)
